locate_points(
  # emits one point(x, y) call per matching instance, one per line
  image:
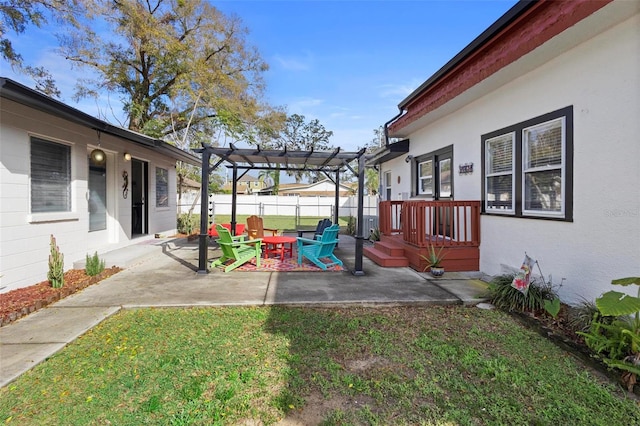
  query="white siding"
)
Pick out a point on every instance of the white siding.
point(24, 242)
point(601, 79)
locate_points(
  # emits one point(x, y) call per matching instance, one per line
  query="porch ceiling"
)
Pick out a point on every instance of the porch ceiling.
point(393, 150)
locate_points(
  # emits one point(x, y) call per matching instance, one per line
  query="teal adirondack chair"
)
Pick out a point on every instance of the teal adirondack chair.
point(236, 248)
point(321, 248)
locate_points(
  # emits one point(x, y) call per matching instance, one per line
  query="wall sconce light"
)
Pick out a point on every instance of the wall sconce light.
point(127, 156)
point(408, 158)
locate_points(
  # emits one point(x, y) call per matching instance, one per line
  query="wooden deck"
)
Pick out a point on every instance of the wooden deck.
point(408, 228)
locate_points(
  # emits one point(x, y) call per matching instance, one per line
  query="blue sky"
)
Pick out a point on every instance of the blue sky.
point(346, 63)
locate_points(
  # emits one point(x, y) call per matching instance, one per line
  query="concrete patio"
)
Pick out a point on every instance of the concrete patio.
point(162, 273)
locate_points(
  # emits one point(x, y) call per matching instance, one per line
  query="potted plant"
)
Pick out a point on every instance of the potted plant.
point(434, 259)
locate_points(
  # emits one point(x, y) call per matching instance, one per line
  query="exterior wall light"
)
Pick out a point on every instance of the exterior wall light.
point(98, 156)
point(408, 158)
point(127, 156)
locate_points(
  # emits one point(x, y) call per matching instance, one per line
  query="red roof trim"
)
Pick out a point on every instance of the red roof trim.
point(535, 26)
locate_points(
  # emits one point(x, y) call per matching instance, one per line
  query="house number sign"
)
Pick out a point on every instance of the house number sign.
point(465, 169)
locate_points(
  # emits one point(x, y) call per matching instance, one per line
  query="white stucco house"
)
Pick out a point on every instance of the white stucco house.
point(537, 121)
point(322, 188)
point(51, 184)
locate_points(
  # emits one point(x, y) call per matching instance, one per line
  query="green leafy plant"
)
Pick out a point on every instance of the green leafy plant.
point(56, 265)
point(552, 307)
point(618, 343)
point(434, 258)
point(374, 235)
point(93, 265)
point(351, 226)
point(187, 223)
point(507, 298)
point(584, 313)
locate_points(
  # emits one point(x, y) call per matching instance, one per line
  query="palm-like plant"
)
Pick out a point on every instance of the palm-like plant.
point(434, 257)
point(618, 343)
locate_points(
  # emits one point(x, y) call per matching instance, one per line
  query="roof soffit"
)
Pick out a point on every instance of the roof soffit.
point(526, 43)
point(24, 95)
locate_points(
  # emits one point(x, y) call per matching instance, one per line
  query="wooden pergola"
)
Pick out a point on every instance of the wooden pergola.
point(241, 160)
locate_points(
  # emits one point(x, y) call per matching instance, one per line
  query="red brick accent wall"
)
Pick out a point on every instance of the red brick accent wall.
point(540, 23)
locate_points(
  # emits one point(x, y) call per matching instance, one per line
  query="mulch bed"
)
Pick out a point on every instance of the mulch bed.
point(18, 303)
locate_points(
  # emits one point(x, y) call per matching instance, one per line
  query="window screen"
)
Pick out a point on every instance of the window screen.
point(499, 173)
point(162, 187)
point(50, 177)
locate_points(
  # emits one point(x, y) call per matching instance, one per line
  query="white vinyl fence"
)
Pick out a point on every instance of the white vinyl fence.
point(279, 205)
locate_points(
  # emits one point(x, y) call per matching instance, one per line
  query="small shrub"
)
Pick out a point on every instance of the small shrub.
point(507, 298)
point(374, 235)
point(56, 265)
point(187, 223)
point(434, 258)
point(584, 313)
point(618, 343)
point(351, 226)
point(93, 265)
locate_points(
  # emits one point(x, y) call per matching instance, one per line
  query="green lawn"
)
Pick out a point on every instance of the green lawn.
point(287, 223)
point(379, 366)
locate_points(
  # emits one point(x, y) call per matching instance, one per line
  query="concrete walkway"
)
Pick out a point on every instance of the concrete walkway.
point(162, 273)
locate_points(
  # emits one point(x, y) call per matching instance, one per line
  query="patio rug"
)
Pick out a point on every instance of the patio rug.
point(288, 265)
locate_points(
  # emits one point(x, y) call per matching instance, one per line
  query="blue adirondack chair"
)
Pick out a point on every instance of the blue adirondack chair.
point(322, 248)
point(236, 248)
point(317, 233)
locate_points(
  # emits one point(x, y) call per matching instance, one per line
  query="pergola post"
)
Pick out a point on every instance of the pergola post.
point(234, 197)
point(203, 247)
point(336, 212)
point(316, 161)
point(360, 226)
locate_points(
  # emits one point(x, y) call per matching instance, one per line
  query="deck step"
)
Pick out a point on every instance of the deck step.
point(384, 259)
point(389, 248)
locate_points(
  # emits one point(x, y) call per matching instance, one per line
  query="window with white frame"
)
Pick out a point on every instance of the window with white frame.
point(499, 173)
point(528, 168)
point(162, 187)
point(444, 183)
point(425, 177)
point(50, 176)
point(431, 174)
point(387, 186)
point(542, 148)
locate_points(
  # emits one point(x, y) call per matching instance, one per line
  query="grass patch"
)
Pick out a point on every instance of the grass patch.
point(437, 365)
point(287, 223)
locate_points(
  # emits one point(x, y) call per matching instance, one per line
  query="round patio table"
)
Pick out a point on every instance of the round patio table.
point(278, 245)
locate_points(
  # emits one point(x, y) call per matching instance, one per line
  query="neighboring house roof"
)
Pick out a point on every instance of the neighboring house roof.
point(248, 178)
point(246, 182)
point(17, 92)
point(523, 29)
point(188, 183)
point(324, 186)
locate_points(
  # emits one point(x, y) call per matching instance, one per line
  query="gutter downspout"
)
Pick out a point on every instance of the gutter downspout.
point(386, 127)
